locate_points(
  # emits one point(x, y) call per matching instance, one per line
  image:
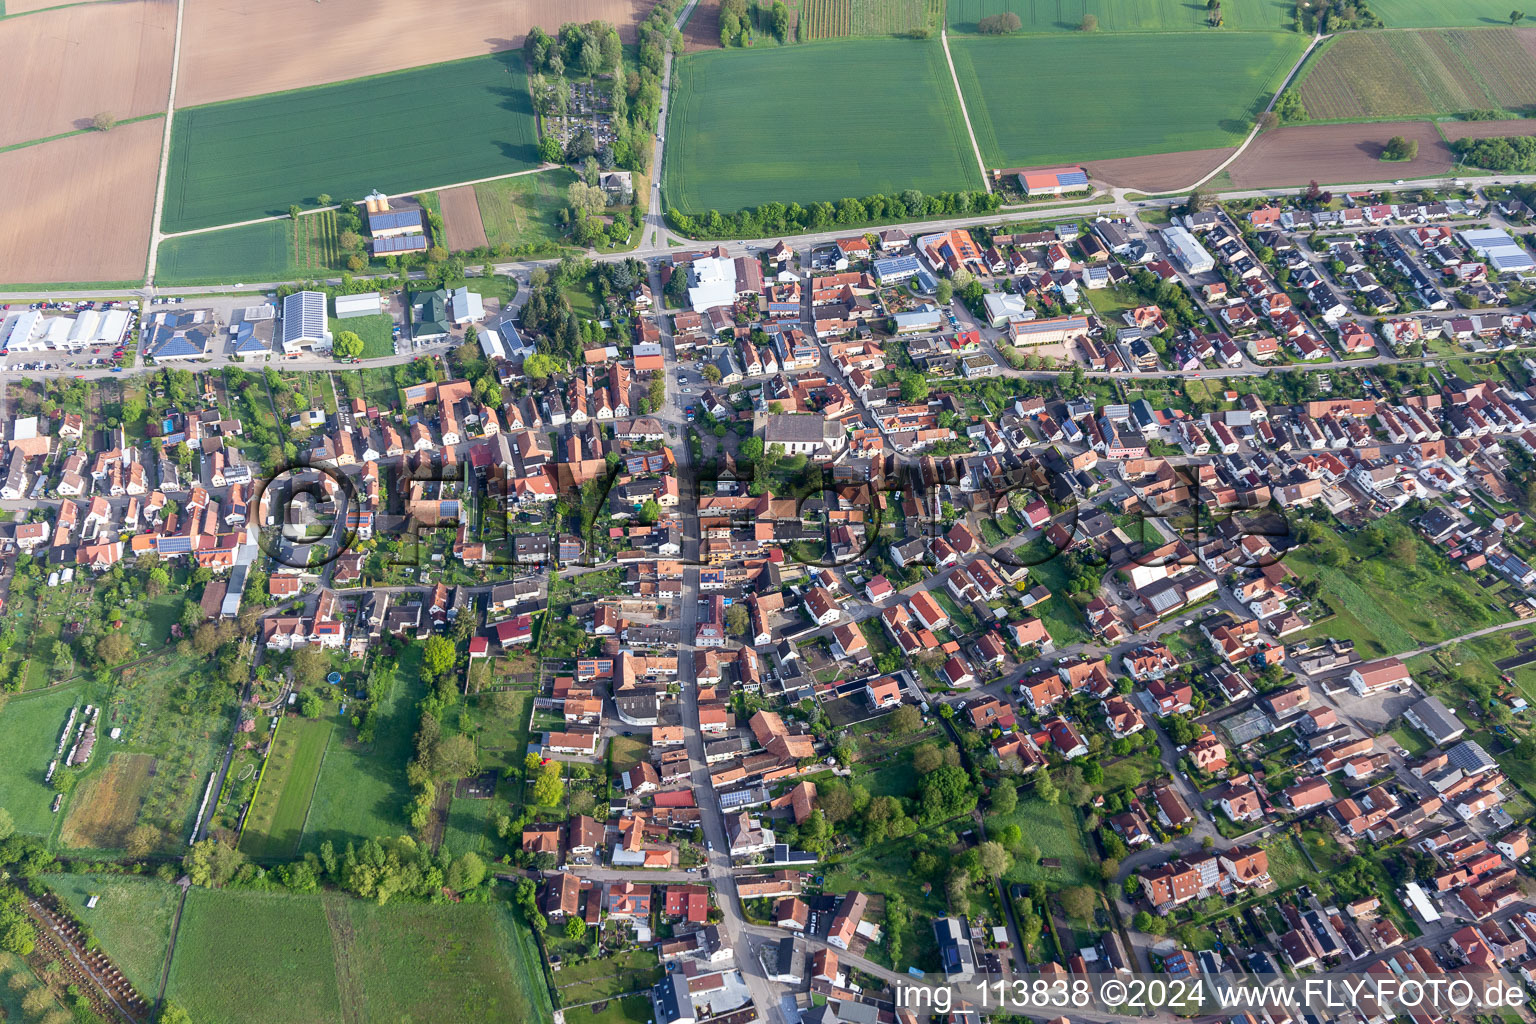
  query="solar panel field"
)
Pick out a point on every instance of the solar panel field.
point(1160, 93)
point(1126, 15)
point(808, 123)
point(414, 129)
point(1372, 75)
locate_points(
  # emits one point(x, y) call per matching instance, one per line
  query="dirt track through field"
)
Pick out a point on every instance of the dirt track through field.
point(1337, 154)
point(461, 218)
point(236, 48)
point(64, 67)
point(78, 209)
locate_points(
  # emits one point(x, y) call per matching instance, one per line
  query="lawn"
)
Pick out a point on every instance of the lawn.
point(1055, 831)
point(628, 752)
point(1125, 15)
point(1287, 865)
point(30, 727)
point(1410, 739)
point(521, 211)
point(629, 1010)
point(398, 132)
point(253, 252)
point(132, 920)
point(376, 330)
point(276, 819)
point(1063, 621)
point(1157, 93)
point(895, 124)
point(361, 792)
point(1401, 74)
point(468, 828)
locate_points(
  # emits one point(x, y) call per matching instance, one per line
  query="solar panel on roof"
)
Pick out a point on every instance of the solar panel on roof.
point(400, 243)
point(1072, 178)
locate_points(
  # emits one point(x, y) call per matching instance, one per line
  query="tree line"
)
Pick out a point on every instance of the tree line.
point(777, 218)
point(1514, 153)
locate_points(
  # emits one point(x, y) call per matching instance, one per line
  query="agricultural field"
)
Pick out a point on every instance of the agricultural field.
point(896, 125)
point(341, 959)
point(132, 920)
point(252, 158)
point(361, 791)
point(126, 46)
point(1339, 153)
point(30, 727)
point(1221, 81)
point(294, 44)
point(835, 19)
point(178, 711)
point(251, 252)
point(105, 805)
point(1372, 75)
point(79, 209)
point(1125, 15)
point(521, 211)
point(276, 819)
point(376, 330)
point(228, 938)
point(461, 219)
point(1437, 13)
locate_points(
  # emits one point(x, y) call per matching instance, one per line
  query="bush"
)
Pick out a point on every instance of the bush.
point(1000, 24)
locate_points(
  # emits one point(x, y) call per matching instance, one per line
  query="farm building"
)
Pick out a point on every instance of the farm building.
point(363, 304)
point(1054, 181)
point(304, 322)
point(1190, 253)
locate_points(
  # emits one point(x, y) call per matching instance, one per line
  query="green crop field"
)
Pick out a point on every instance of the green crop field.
point(132, 920)
point(1158, 93)
point(376, 330)
point(860, 116)
point(253, 252)
point(339, 959)
point(276, 819)
point(521, 210)
point(1436, 13)
point(1402, 74)
point(30, 727)
point(362, 792)
point(255, 958)
point(412, 129)
point(1126, 15)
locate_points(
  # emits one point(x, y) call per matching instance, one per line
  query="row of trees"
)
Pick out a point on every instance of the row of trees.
point(780, 218)
point(739, 21)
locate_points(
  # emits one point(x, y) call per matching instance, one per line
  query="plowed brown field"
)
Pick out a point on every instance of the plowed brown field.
point(461, 218)
point(63, 67)
point(1159, 172)
point(1337, 154)
point(79, 209)
point(236, 48)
